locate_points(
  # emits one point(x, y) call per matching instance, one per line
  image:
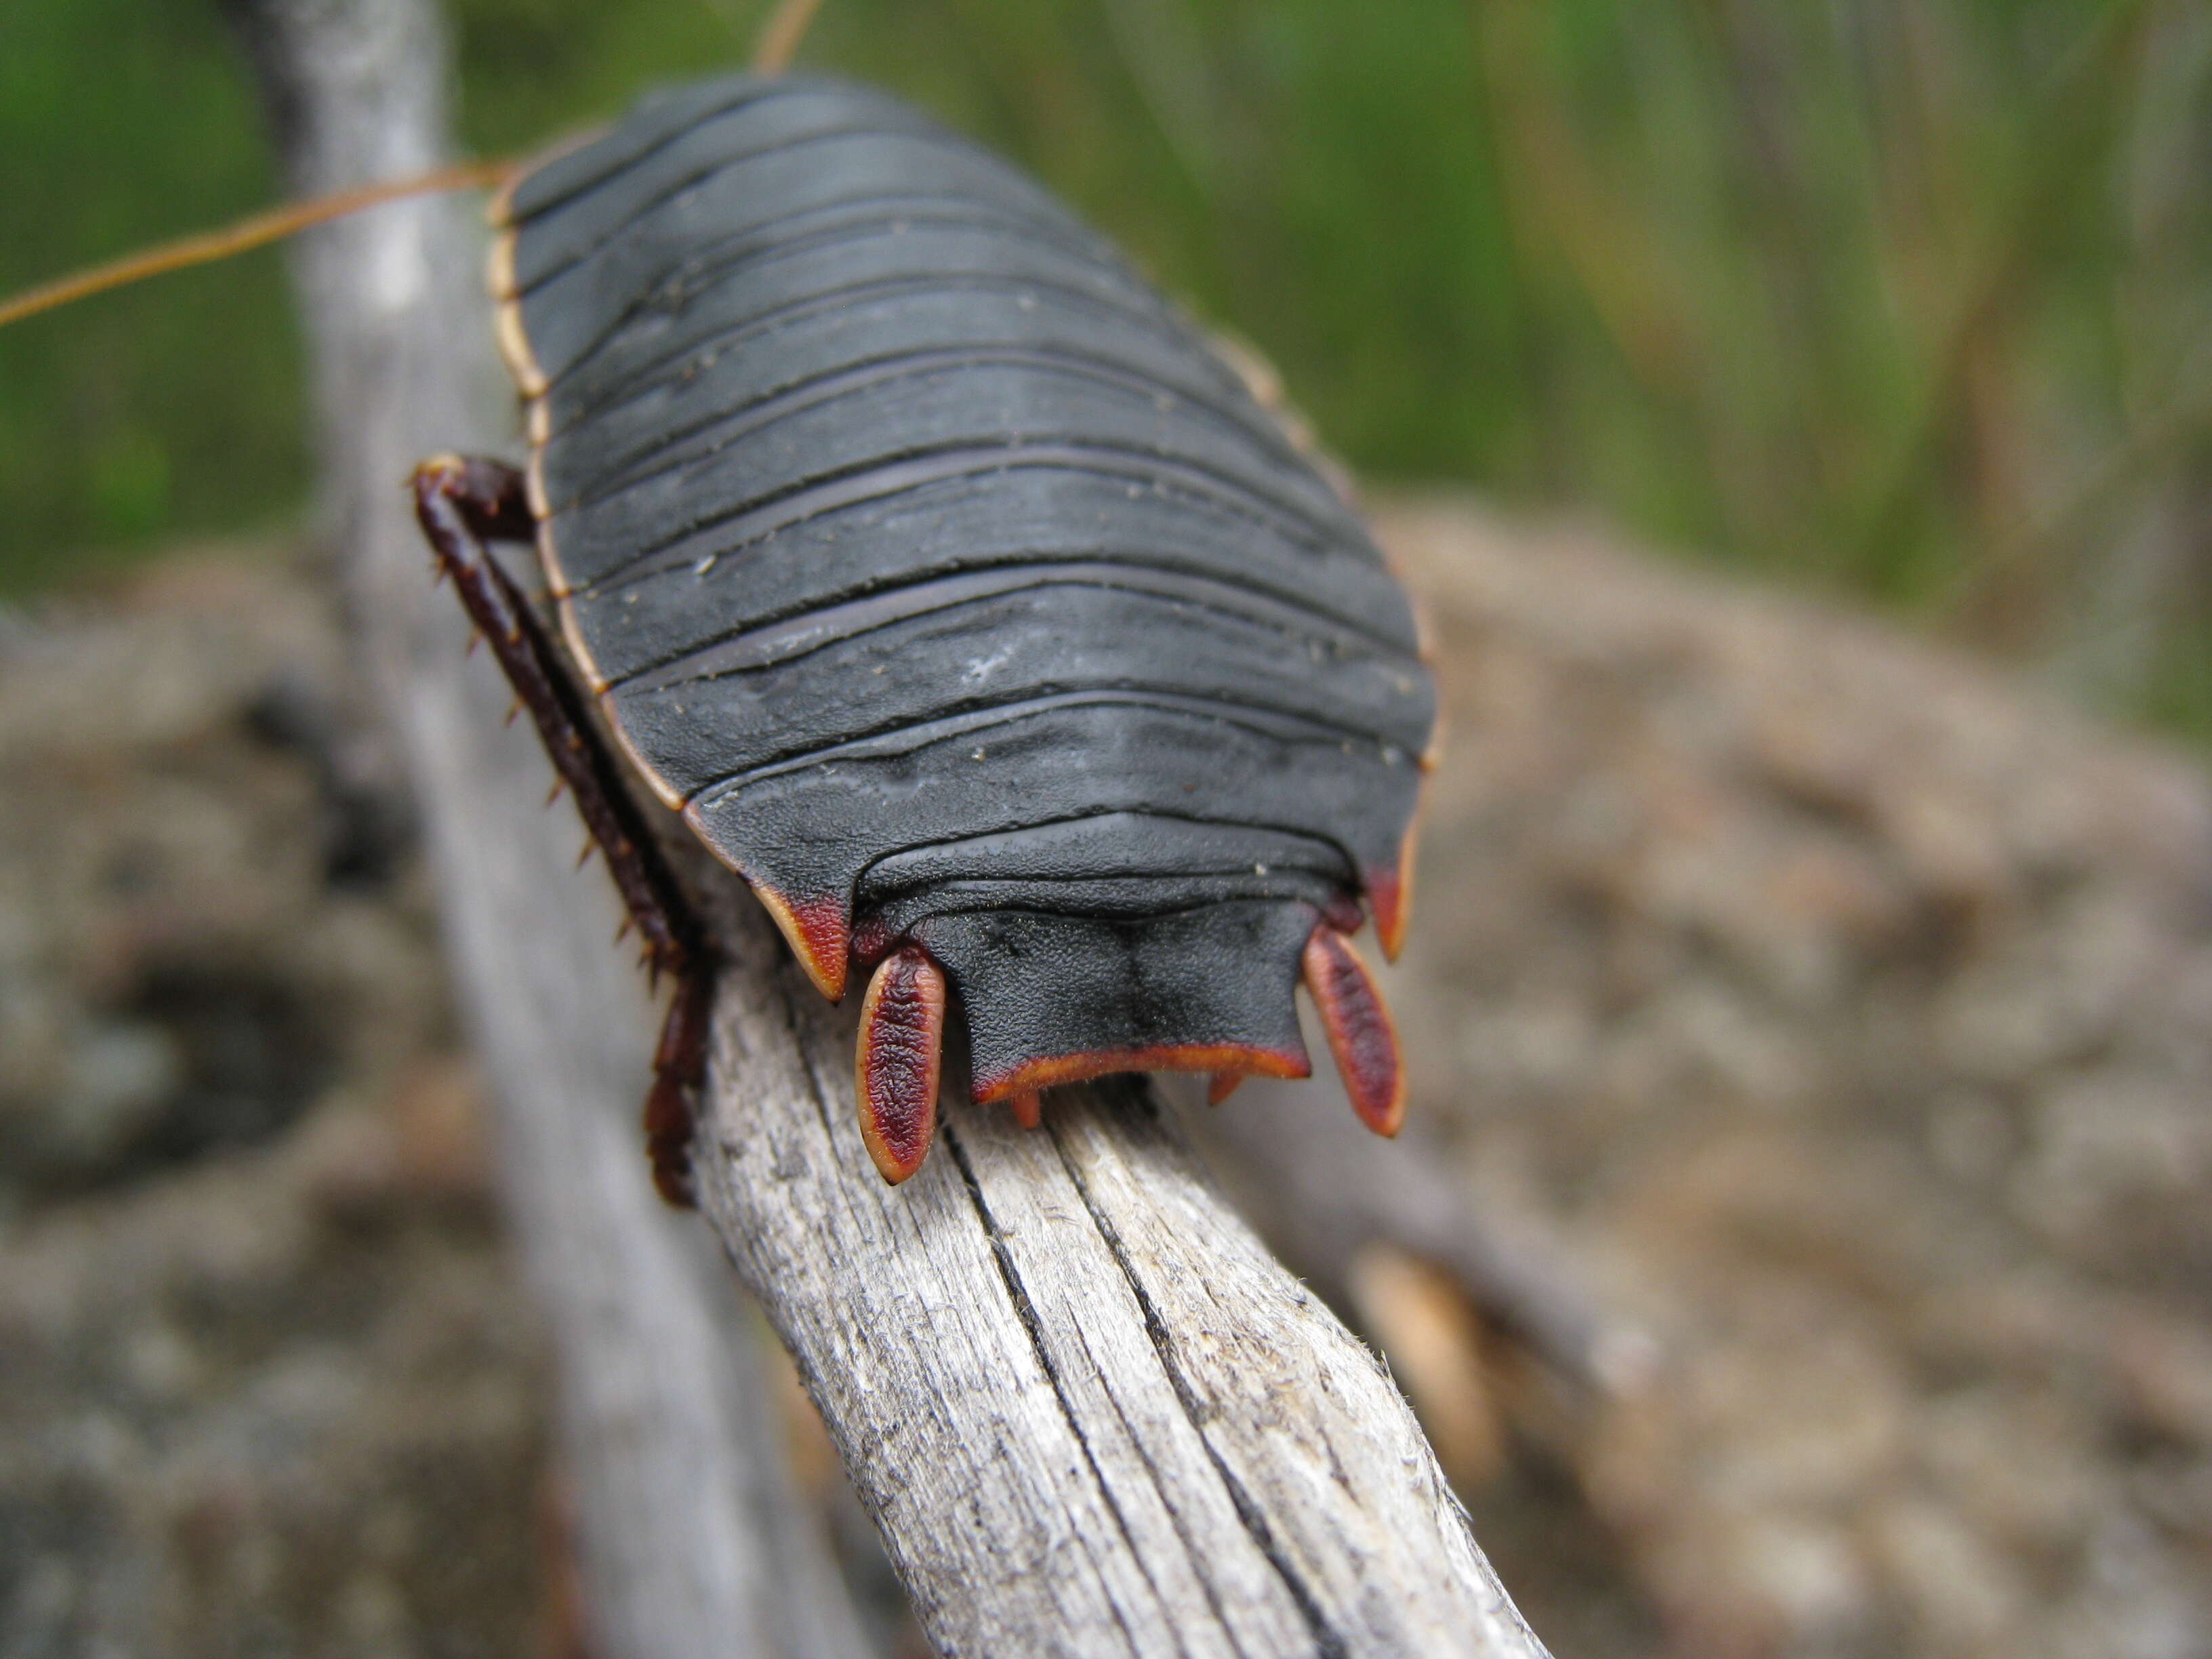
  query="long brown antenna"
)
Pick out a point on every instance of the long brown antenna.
point(235, 238)
point(779, 39)
point(778, 44)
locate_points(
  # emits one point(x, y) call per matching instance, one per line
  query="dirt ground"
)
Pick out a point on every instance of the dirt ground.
point(269, 1387)
point(1844, 1013)
point(1836, 1013)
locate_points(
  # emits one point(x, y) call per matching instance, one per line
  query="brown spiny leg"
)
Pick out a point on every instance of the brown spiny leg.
point(462, 504)
point(900, 1061)
point(679, 1063)
point(1360, 1034)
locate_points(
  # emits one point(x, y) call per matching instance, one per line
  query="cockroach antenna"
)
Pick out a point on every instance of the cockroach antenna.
point(243, 235)
point(778, 43)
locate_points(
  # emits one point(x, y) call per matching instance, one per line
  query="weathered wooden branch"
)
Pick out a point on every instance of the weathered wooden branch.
point(1089, 1413)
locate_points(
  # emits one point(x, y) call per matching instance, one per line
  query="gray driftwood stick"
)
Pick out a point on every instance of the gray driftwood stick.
point(690, 1538)
point(1089, 1414)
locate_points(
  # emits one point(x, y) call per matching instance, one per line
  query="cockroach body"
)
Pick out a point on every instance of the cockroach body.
point(961, 596)
point(962, 599)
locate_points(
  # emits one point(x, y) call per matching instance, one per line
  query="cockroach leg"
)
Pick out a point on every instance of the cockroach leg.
point(1220, 1085)
point(462, 505)
point(678, 1062)
point(1028, 1107)
point(899, 1057)
point(1360, 1034)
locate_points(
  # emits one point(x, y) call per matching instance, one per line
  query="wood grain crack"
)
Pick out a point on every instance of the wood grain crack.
point(1329, 1643)
point(1025, 1309)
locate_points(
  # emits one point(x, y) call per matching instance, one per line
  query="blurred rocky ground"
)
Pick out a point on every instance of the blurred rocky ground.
point(1834, 1011)
point(1842, 1013)
point(268, 1389)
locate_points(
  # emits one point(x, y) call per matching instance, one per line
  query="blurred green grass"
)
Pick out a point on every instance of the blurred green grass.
point(1903, 300)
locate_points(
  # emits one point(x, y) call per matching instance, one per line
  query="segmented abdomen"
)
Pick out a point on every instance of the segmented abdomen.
point(902, 527)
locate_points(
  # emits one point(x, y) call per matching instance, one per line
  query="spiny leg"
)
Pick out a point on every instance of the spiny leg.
point(679, 1062)
point(899, 1060)
point(462, 504)
point(1360, 1034)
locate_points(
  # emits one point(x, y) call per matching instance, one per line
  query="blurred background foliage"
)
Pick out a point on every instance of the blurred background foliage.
point(1904, 300)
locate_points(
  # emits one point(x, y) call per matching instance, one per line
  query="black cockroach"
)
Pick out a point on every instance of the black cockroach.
point(958, 593)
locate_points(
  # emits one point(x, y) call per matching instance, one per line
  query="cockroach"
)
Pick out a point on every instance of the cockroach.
point(961, 596)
